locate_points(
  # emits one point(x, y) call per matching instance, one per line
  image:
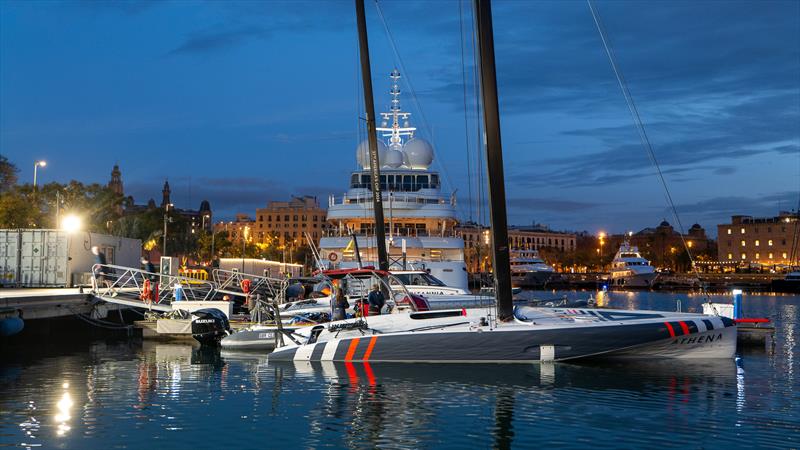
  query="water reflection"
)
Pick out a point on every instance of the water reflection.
point(123, 394)
point(368, 401)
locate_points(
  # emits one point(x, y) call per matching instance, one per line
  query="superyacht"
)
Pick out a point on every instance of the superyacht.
point(421, 218)
point(629, 269)
point(528, 269)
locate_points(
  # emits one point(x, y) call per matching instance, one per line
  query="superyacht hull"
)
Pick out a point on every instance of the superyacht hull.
point(530, 279)
point(636, 280)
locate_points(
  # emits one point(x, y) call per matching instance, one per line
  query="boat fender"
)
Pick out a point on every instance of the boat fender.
point(11, 326)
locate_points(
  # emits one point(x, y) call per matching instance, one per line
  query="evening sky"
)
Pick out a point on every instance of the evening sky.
point(245, 102)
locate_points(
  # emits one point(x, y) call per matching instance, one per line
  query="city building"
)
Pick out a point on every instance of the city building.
point(662, 245)
point(761, 240)
point(196, 220)
point(288, 221)
point(534, 237)
point(242, 227)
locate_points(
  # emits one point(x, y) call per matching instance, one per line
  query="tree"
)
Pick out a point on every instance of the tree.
point(8, 174)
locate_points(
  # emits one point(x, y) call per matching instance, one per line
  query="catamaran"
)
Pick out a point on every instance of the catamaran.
point(506, 334)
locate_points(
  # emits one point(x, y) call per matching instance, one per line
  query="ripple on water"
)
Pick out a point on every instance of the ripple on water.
point(123, 395)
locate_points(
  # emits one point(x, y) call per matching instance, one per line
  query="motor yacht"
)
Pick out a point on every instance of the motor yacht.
point(630, 270)
point(528, 269)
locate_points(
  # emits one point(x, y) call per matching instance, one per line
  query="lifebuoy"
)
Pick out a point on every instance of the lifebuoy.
point(333, 256)
point(246, 286)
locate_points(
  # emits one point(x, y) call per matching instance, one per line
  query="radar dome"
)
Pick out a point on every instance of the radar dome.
point(419, 153)
point(362, 153)
point(394, 158)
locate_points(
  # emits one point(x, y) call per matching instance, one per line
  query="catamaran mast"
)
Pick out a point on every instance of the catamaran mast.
point(494, 161)
point(374, 163)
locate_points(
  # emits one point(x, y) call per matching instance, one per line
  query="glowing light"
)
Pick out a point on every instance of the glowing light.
point(71, 223)
point(44, 163)
point(64, 406)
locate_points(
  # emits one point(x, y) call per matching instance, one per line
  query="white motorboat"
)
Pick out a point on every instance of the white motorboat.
point(528, 269)
point(629, 269)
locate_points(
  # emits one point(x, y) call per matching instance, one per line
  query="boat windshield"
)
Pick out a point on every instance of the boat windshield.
point(418, 279)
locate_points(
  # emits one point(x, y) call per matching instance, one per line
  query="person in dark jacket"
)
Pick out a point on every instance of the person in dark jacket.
point(376, 300)
point(340, 304)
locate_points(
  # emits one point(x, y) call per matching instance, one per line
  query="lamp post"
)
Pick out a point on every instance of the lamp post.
point(245, 233)
point(602, 254)
point(36, 166)
point(166, 220)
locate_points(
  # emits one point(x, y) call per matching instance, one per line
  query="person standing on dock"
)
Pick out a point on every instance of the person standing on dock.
point(376, 300)
point(340, 304)
point(103, 272)
point(150, 289)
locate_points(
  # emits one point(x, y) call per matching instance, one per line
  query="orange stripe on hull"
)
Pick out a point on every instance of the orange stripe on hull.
point(352, 349)
point(369, 348)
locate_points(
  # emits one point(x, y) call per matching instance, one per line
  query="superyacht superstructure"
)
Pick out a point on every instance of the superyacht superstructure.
point(420, 218)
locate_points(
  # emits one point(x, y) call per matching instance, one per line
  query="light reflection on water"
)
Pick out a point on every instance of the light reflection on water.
point(133, 394)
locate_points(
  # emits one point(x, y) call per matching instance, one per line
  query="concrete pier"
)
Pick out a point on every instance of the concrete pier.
point(47, 303)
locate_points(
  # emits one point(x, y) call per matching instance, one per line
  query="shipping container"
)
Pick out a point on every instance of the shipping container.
point(9, 257)
point(55, 258)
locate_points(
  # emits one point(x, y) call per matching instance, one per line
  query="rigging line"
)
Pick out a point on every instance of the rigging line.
point(414, 99)
point(480, 186)
point(466, 121)
point(640, 127)
point(795, 237)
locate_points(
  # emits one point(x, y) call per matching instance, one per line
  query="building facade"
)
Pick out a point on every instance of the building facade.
point(761, 240)
point(241, 228)
point(196, 219)
point(477, 241)
point(662, 245)
point(286, 223)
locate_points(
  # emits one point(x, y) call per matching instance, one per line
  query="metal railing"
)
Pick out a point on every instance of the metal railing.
point(233, 282)
point(396, 198)
point(139, 288)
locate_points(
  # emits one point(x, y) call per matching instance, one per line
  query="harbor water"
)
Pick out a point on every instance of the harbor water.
point(89, 393)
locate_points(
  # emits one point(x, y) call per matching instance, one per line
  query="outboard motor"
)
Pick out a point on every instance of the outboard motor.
point(209, 326)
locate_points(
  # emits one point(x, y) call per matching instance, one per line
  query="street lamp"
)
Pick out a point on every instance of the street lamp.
point(71, 223)
point(36, 166)
point(602, 243)
point(167, 219)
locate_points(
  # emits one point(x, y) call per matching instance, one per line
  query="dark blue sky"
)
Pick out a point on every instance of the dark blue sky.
point(244, 102)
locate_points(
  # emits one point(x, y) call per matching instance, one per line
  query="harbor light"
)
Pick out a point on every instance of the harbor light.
point(71, 223)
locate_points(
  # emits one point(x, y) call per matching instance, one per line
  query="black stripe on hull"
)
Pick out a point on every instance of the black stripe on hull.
point(709, 324)
point(283, 355)
point(316, 355)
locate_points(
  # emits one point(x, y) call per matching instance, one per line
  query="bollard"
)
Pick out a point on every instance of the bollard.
point(737, 303)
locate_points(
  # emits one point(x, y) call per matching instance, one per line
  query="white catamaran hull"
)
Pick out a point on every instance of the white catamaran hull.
point(544, 335)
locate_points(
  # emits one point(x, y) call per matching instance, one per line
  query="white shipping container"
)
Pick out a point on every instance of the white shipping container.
point(9, 257)
point(54, 258)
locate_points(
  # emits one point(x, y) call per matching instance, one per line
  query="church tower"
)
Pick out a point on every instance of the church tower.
point(116, 181)
point(165, 195)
